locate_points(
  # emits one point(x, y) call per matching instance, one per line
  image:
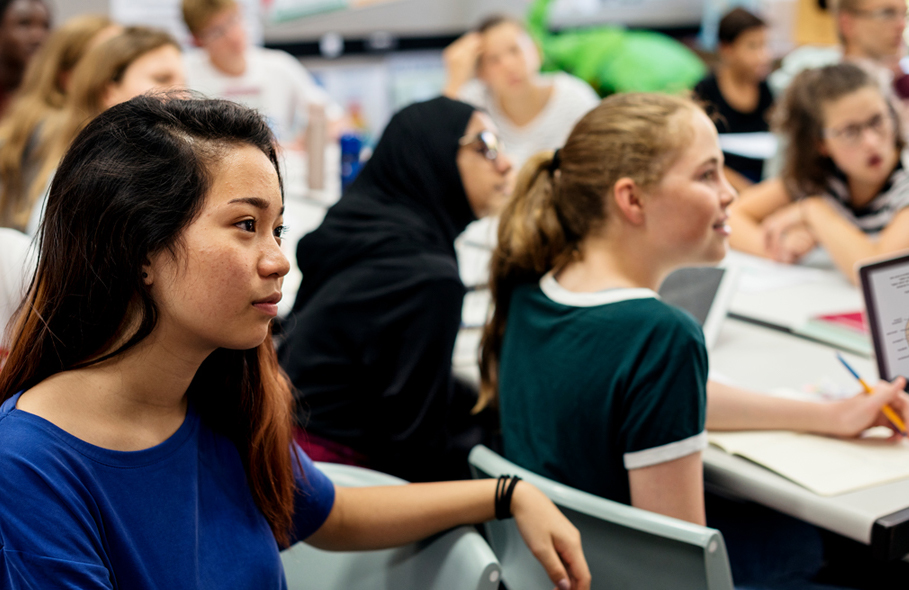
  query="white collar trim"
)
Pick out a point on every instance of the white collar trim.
point(556, 292)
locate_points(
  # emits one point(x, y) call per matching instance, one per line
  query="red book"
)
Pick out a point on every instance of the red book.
point(854, 321)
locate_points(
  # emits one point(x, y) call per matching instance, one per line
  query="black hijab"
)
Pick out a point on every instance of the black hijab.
point(408, 199)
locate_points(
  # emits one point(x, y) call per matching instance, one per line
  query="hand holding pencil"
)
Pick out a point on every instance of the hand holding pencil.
point(893, 391)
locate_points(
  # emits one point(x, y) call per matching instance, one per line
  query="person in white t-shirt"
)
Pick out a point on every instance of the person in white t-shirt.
point(272, 82)
point(496, 68)
point(15, 267)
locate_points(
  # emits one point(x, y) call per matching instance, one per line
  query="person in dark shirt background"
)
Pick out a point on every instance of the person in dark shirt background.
point(737, 94)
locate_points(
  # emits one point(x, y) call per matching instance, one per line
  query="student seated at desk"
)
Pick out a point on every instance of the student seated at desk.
point(146, 434)
point(738, 91)
point(371, 334)
point(844, 184)
point(496, 68)
point(600, 384)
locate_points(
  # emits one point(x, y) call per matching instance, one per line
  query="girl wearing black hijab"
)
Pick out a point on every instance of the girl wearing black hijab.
point(370, 338)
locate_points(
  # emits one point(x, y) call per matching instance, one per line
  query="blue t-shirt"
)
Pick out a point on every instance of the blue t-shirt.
point(177, 515)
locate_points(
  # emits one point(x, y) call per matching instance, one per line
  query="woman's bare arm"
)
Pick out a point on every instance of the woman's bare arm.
point(732, 408)
point(751, 208)
point(846, 243)
point(674, 488)
point(381, 517)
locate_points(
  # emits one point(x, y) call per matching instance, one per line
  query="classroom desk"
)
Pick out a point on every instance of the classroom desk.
point(765, 359)
point(784, 296)
point(877, 516)
point(754, 356)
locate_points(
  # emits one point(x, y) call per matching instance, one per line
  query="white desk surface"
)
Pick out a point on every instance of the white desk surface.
point(787, 296)
point(765, 359)
point(759, 146)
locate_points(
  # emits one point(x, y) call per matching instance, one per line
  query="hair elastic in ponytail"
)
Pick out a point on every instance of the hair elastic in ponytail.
point(556, 161)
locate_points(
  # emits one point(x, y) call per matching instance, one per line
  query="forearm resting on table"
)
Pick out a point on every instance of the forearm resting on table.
point(846, 244)
point(738, 181)
point(747, 235)
point(733, 408)
point(754, 205)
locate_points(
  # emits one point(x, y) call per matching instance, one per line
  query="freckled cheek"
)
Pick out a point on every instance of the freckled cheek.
point(221, 288)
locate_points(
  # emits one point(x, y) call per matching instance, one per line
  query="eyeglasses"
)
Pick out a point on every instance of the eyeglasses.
point(486, 143)
point(882, 14)
point(880, 124)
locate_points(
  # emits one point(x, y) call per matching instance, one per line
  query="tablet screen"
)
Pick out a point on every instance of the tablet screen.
point(885, 286)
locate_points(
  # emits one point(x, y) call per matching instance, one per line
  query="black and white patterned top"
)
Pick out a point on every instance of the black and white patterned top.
point(880, 211)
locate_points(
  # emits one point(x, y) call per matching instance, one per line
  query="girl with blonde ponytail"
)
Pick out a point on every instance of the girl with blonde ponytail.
point(590, 234)
point(561, 198)
point(602, 386)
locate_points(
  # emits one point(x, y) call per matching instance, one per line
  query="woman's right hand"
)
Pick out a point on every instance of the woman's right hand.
point(851, 417)
point(460, 60)
point(552, 539)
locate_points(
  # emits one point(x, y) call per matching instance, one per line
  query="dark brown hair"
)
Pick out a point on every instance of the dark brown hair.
point(736, 22)
point(800, 118)
point(635, 136)
point(129, 185)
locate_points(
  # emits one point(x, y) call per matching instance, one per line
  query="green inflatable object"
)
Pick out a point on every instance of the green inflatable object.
point(613, 59)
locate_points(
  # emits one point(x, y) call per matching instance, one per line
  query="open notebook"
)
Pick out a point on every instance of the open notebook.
point(826, 466)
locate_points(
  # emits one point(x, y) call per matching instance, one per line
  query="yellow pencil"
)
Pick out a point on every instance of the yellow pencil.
point(887, 410)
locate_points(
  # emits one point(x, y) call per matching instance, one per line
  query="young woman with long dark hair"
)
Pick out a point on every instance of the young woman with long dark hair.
point(146, 428)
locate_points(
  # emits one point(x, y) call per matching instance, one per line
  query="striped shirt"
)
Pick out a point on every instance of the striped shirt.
point(880, 211)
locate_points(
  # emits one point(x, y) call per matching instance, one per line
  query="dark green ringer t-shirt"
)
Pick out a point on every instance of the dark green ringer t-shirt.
point(592, 385)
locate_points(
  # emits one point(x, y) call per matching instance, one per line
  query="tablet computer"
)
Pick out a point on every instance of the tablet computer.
point(885, 288)
point(704, 292)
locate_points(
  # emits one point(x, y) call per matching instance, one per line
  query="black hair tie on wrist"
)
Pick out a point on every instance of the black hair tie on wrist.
point(556, 161)
point(504, 491)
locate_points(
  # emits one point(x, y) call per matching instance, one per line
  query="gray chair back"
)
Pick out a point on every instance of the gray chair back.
point(626, 548)
point(458, 559)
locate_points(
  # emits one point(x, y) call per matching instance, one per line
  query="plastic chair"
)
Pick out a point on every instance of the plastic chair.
point(626, 548)
point(455, 560)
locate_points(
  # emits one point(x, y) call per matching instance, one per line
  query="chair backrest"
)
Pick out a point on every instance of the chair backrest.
point(626, 548)
point(455, 560)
